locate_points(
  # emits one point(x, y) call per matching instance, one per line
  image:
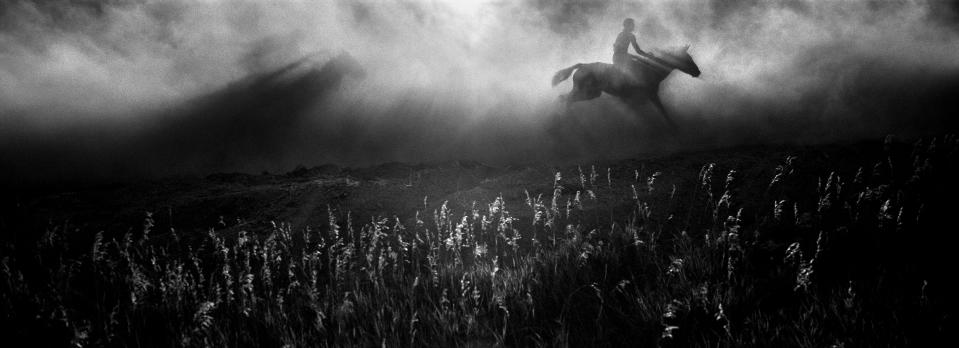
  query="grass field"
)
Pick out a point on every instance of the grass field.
point(831, 246)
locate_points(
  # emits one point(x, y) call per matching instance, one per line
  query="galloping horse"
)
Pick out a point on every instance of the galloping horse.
point(592, 79)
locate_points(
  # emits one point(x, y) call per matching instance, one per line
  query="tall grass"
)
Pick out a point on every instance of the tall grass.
point(816, 259)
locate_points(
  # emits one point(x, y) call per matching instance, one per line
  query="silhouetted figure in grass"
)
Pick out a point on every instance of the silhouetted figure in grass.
point(635, 79)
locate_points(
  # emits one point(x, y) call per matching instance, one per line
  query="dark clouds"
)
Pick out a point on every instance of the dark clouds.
point(570, 17)
point(126, 89)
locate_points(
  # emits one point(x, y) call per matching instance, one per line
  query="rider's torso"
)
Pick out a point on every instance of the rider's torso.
point(622, 42)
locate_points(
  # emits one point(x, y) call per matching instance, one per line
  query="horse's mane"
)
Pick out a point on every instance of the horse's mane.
point(673, 56)
point(675, 50)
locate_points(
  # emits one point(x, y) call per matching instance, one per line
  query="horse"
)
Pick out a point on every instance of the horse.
point(592, 79)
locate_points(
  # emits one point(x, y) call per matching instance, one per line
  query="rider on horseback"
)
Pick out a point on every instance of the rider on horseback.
point(630, 78)
point(621, 57)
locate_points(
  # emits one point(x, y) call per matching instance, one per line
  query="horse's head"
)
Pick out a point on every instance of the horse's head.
point(681, 59)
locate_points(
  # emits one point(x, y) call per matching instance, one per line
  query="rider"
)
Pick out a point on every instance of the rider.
point(621, 57)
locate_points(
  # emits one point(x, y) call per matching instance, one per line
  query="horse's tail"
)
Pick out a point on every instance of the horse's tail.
point(562, 75)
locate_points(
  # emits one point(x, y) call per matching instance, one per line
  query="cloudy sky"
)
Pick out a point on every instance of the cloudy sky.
point(131, 88)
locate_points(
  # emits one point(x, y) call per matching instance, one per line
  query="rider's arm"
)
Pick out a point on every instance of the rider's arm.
point(636, 45)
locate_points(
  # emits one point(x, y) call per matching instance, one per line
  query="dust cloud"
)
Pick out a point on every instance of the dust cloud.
point(125, 89)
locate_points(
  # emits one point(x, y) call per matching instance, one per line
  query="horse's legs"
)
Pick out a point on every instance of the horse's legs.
point(580, 95)
point(583, 94)
point(584, 88)
point(654, 98)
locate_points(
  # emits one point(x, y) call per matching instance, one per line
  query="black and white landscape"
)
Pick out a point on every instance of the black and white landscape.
point(461, 173)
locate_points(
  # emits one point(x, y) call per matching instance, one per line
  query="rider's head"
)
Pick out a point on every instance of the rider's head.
point(629, 24)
